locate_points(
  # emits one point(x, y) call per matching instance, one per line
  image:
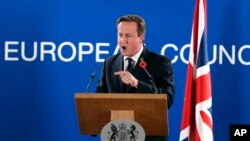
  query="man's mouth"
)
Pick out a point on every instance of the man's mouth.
point(123, 47)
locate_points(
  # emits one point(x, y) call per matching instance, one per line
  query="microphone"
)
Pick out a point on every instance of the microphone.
point(151, 79)
point(143, 65)
point(92, 76)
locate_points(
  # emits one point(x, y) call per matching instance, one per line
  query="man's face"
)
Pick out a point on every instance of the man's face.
point(128, 40)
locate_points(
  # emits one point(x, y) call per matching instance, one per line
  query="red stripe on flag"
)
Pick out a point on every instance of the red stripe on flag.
point(195, 31)
point(203, 88)
point(189, 103)
point(206, 119)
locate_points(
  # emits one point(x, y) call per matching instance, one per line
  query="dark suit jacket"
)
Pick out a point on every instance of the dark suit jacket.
point(160, 68)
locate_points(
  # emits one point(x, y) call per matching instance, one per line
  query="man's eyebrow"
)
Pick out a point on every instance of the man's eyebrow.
point(125, 33)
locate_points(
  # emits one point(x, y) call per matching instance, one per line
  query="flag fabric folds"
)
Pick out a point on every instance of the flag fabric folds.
point(197, 122)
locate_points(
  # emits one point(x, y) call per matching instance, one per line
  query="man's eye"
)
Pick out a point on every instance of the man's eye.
point(128, 36)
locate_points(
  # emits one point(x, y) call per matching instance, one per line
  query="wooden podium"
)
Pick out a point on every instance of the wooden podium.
point(96, 110)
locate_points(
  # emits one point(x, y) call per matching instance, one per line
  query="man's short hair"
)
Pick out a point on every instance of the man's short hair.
point(141, 25)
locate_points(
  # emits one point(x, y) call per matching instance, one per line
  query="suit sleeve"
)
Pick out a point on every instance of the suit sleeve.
point(164, 81)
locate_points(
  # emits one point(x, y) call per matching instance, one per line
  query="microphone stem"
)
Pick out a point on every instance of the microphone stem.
point(92, 76)
point(151, 79)
point(87, 88)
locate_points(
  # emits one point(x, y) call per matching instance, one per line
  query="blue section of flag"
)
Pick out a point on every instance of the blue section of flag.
point(202, 58)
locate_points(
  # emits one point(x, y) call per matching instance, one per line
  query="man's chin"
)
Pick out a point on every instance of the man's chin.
point(124, 53)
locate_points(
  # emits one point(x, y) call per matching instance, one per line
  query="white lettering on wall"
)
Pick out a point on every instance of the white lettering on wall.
point(68, 51)
point(9, 50)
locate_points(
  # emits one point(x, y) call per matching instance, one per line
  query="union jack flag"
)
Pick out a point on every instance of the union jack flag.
point(197, 122)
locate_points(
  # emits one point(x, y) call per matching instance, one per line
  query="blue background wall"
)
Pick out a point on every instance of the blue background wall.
point(37, 96)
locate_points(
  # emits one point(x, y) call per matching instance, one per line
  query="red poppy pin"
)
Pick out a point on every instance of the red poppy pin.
point(143, 64)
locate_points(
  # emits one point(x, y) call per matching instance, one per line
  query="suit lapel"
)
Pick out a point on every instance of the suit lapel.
point(138, 71)
point(118, 66)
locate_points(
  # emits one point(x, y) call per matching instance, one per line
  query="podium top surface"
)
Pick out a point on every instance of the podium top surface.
point(120, 96)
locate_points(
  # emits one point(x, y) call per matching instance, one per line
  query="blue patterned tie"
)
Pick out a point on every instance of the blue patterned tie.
point(130, 65)
point(129, 69)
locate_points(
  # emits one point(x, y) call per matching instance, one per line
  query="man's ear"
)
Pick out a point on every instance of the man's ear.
point(142, 38)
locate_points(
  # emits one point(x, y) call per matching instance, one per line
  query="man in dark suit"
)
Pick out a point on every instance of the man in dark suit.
point(136, 69)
